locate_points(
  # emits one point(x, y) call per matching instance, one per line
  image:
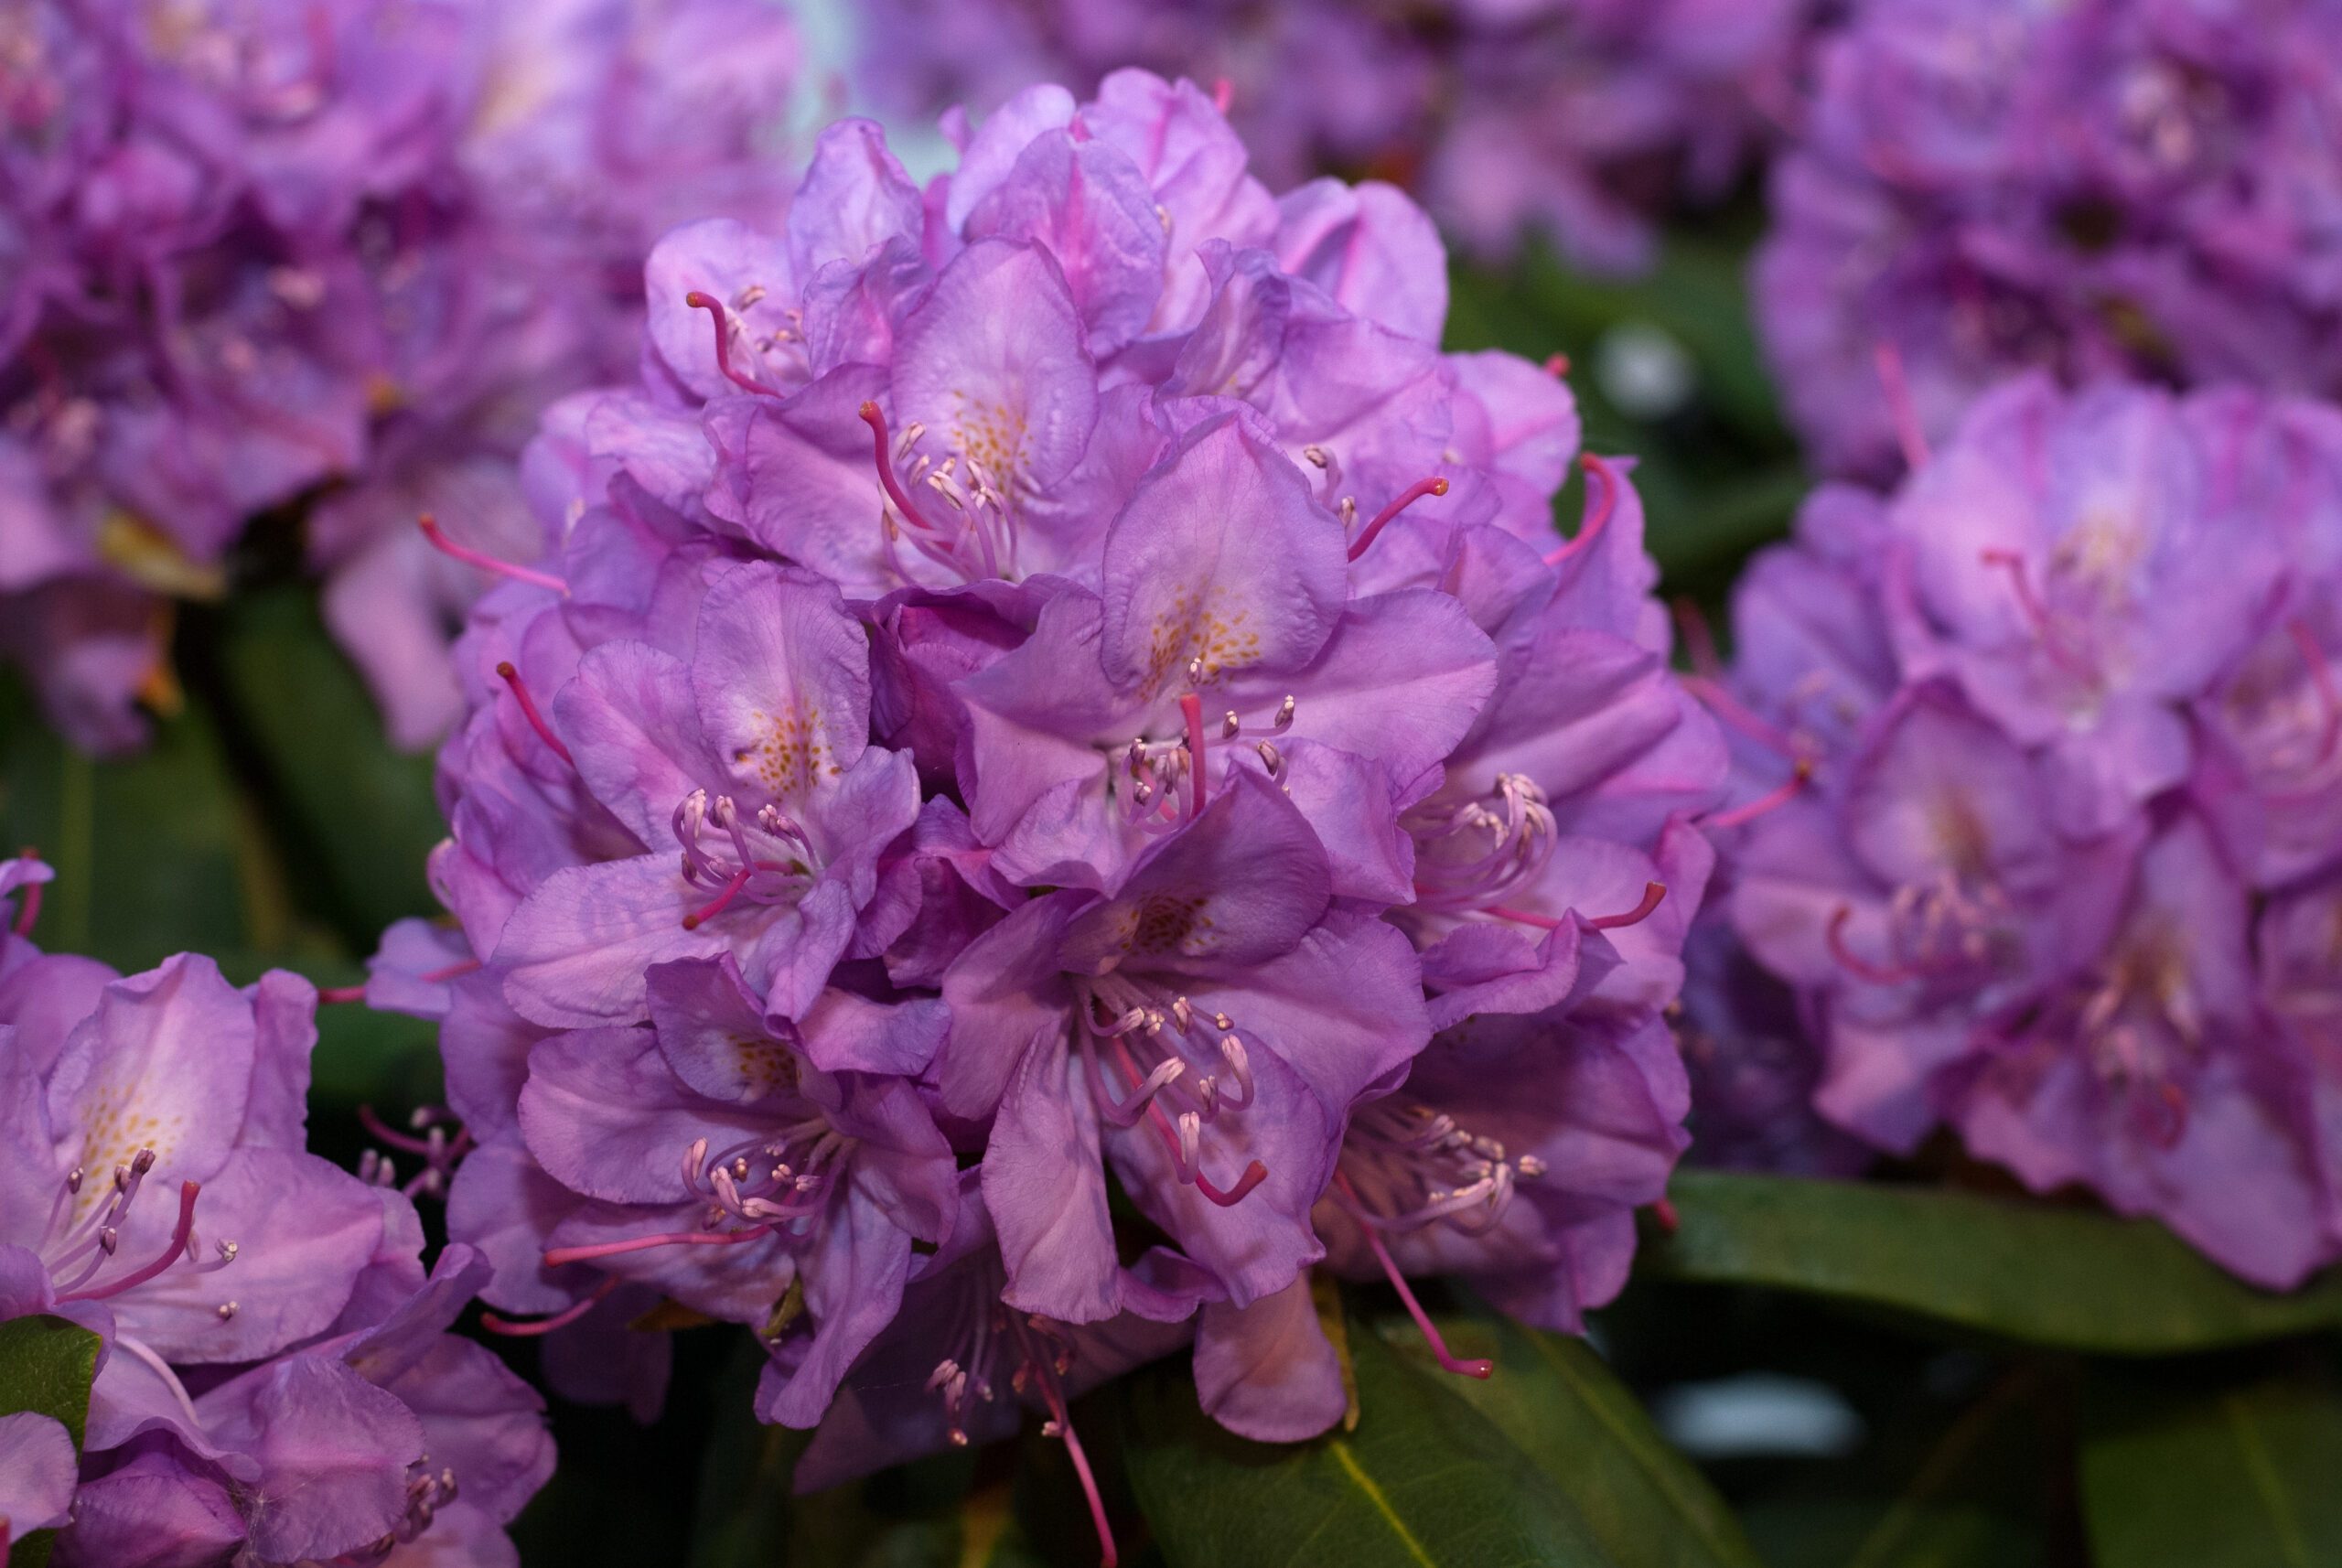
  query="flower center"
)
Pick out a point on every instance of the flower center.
point(766, 861)
point(968, 528)
point(1477, 854)
point(1161, 783)
point(79, 1251)
point(1039, 1353)
point(1183, 1071)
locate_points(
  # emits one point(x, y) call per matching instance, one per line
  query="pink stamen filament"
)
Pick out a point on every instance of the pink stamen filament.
point(1407, 497)
point(1771, 801)
point(723, 319)
point(1527, 917)
point(1557, 365)
point(721, 902)
point(1654, 894)
point(169, 1255)
point(382, 1133)
point(1064, 1424)
point(2036, 613)
point(1254, 1173)
point(531, 712)
point(556, 1257)
point(1862, 968)
point(1191, 709)
point(881, 442)
point(1663, 1211)
point(1447, 1360)
point(530, 1328)
point(1600, 503)
point(1896, 387)
point(486, 563)
point(1718, 699)
point(336, 994)
point(1699, 642)
point(438, 975)
point(1223, 94)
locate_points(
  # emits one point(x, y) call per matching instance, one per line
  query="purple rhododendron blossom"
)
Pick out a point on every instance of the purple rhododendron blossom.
point(274, 1381)
point(1581, 118)
point(2068, 706)
point(1049, 683)
point(249, 261)
point(2096, 190)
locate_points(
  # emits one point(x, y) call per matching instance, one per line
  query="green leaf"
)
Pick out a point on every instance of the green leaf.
point(1424, 1482)
point(46, 1367)
point(156, 852)
point(1974, 1501)
point(358, 817)
point(2249, 1476)
point(1560, 1402)
point(2008, 1268)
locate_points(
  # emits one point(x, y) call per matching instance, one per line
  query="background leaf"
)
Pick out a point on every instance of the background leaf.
point(357, 817)
point(2178, 1468)
point(1562, 1406)
point(1424, 1482)
point(46, 1367)
point(2005, 1267)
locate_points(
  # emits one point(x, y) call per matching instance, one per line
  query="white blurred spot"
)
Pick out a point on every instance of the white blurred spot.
point(1757, 1415)
point(1643, 371)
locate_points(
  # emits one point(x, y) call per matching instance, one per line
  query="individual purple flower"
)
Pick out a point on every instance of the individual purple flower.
point(273, 1381)
point(2097, 190)
point(2028, 734)
point(251, 266)
point(1580, 118)
point(777, 1181)
point(754, 760)
point(1208, 1028)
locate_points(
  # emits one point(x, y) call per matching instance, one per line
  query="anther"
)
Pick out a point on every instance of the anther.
point(225, 1310)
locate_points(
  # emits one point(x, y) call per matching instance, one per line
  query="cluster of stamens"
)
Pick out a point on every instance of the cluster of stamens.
point(1041, 1352)
point(1154, 1047)
point(78, 1252)
point(767, 860)
point(1161, 783)
point(968, 528)
point(1949, 930)
point(434, 1136)
point(1477, 854)
point(427, 1491)
point(1407, 1165)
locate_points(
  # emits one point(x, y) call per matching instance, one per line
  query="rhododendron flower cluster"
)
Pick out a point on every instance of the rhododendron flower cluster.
point(275, 1384)
point(2065, 872)
point(253, 256)
point(1579, 118)
point(1053, 683)
point(2097, 188)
